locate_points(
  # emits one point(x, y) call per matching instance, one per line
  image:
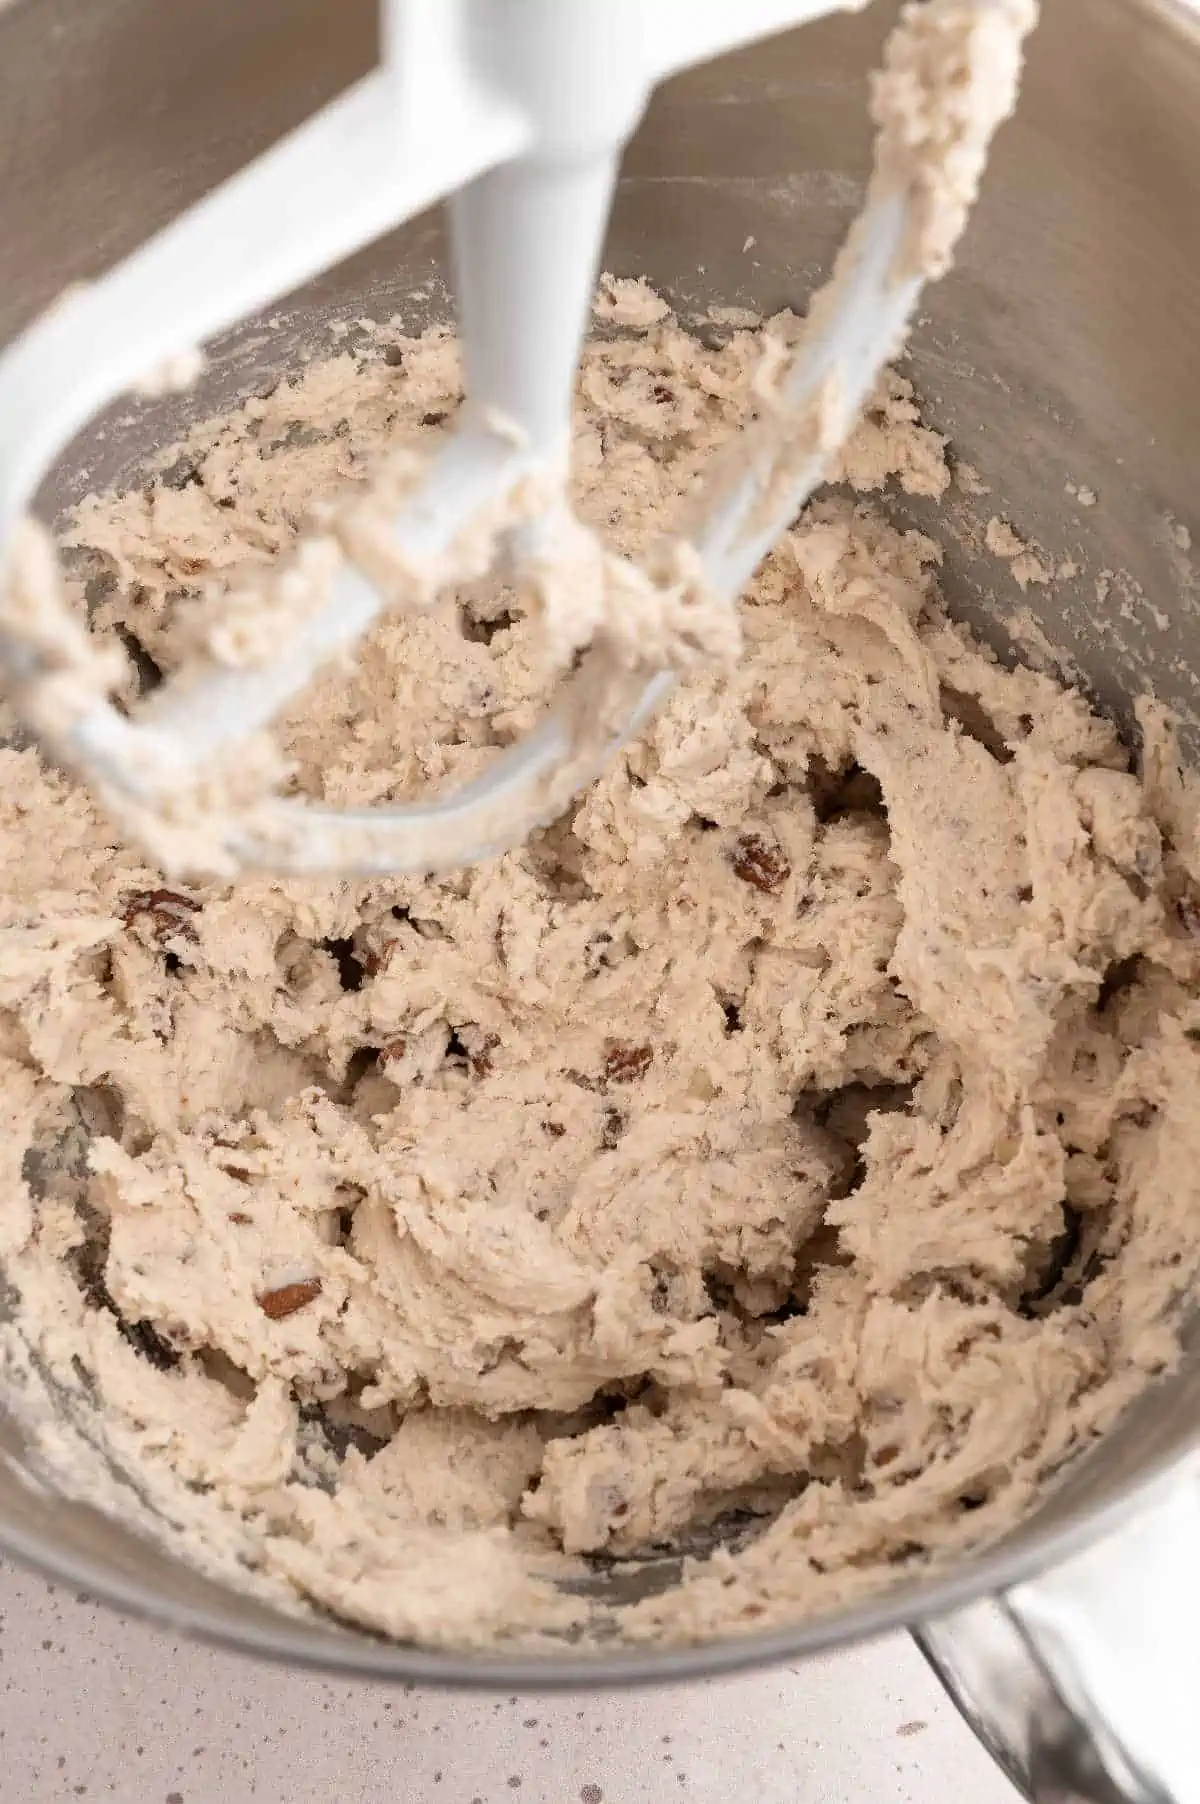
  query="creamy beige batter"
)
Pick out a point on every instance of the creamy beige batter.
point(794, 1147)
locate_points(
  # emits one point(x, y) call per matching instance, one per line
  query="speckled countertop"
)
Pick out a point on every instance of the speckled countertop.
point(96, 1707)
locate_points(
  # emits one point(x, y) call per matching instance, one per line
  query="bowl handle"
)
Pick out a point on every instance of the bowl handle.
point(1084, 1683)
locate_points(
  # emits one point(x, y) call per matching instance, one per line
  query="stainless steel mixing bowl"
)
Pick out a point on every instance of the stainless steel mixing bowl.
point(1065, 349)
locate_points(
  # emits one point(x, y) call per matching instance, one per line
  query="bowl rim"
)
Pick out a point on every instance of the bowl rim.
point(355, 1653)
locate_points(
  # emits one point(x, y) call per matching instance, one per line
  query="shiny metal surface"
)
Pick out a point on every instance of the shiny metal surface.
point(1064, 350)
point(1009, 1702)
point(1081, 1681)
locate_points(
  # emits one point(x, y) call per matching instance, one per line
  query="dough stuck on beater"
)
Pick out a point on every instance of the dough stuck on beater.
point(790, 1152)
point(197, 786)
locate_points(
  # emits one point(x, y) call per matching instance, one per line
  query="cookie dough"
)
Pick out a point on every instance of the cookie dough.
point(788, 1157)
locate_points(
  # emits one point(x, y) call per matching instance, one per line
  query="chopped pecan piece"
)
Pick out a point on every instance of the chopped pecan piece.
point(611, 1129)
point(757, 861)
point(375, 962)
point(288, 1298)
point(480, 1060)
point(166, 911)
point(624, 1062)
